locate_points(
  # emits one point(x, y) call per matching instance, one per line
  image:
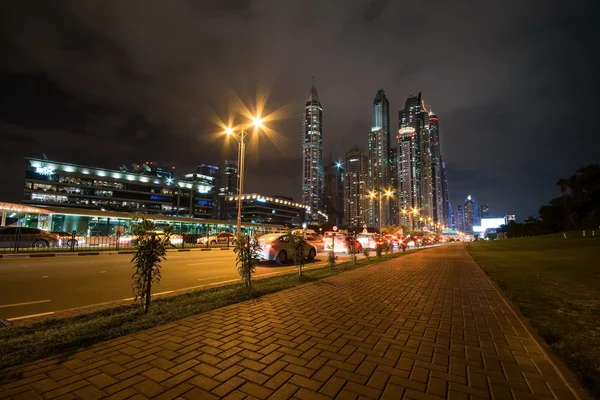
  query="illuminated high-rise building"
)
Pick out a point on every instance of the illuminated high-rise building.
point(379, 156)
point(447, 207)
point(470, 214)
point(484, 211)
point(437, 174)
point(333, 192)
point(460, 218)
point(356, 181)
point(312, 154)
point(414, 161)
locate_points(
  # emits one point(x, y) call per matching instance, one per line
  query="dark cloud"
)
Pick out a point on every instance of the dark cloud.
point(110, 82)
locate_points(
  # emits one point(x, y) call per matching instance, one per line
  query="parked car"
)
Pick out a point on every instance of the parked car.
point(276, 246)
point(27, 237)
point(67, 238)
point(174, 239)
point(219, 238)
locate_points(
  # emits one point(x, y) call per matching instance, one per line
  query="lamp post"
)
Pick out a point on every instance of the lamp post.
point(415, 213)
point(241, 135)
point(373, 195)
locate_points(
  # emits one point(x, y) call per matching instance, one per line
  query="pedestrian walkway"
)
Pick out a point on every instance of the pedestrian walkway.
point(425, 326)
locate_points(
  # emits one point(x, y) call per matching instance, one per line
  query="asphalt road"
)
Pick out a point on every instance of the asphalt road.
point(31, 286)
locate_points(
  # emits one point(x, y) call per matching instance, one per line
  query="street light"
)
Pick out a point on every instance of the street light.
point(241, 135)
point(387, 193)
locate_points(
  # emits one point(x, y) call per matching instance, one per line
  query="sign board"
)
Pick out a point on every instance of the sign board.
point(44, 171)
point(335, 228)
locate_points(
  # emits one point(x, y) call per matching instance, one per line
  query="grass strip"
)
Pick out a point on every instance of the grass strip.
point(555, 283)
point(21, 344)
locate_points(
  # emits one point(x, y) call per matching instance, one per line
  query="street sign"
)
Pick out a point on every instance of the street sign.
point(335, 228)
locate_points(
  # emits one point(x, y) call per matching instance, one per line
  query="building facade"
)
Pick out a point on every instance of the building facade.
point(228, 186)
point(312, 154)
point(259, 209)
point(414, 160)
point(460, 218)
point(70, 185)
point(484, 211)
point(470, 214)
point(379, 158)
point(356, 189)
point(333, 195)
point(437, 175)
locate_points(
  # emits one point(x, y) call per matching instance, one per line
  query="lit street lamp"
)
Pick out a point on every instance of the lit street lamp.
point(241, 135)
point(388, 193)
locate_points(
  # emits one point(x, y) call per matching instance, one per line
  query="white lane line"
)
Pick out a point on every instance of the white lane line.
point(30, 316)
point(213, 277)
point(45, 276)
point(102, 272)
point(158, 294)
point(24, 304)
point(208, 262)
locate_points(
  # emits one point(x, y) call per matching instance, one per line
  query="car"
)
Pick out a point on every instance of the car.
point(67, 239)
point(27, 237)
point(220, 238)
point(341, 243)
point(276, 247)
point(367, 240)
point(353, 245)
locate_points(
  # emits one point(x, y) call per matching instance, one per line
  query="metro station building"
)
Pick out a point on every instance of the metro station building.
point(67, 197)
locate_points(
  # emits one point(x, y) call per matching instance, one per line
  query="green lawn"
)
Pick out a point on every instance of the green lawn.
point(556, 285)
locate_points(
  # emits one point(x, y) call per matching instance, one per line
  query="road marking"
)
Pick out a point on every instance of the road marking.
point(45, 276)
point(213, 277)
point(30, 316)
point(24, 304)
point(208, 262)
point(102, 272)
point(158, 294)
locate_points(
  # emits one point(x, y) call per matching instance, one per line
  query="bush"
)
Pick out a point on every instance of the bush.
point(248, 255)
point(150, 250)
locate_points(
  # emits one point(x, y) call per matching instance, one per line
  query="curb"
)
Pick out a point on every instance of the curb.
point(564, 373)
point(98, 253)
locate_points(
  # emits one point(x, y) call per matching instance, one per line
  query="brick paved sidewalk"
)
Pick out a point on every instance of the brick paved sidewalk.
point(425, 326)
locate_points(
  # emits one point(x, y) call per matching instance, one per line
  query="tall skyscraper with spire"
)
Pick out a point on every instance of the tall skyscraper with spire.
point(437, 175)
point(379, 155)
point(312, 153)
point(414, 162)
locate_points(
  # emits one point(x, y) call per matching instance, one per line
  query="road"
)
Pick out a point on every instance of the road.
point(31, 286)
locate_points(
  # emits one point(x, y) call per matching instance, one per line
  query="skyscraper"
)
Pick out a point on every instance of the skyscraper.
point(333, 194)
point(414, 160)
point(446, 197)
point(470, 214)
point(437, 174)
point(484, 211)
point(394, 218)
point(356, 188)
point(312, 154)
point(228, 185)
point(460, 218)
point(379, 154)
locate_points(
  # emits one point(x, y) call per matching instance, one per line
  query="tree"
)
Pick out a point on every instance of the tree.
point(150, 249)
point(248, 255)
point(297, 245)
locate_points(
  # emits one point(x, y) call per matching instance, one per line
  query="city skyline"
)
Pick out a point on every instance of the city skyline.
point(86, 92)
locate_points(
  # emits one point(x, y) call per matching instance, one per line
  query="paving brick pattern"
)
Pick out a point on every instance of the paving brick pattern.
point(426, 326)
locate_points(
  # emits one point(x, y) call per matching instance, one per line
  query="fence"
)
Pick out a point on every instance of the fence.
point(27, 240)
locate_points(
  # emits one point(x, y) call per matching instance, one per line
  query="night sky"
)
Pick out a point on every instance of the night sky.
point(106, 83)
